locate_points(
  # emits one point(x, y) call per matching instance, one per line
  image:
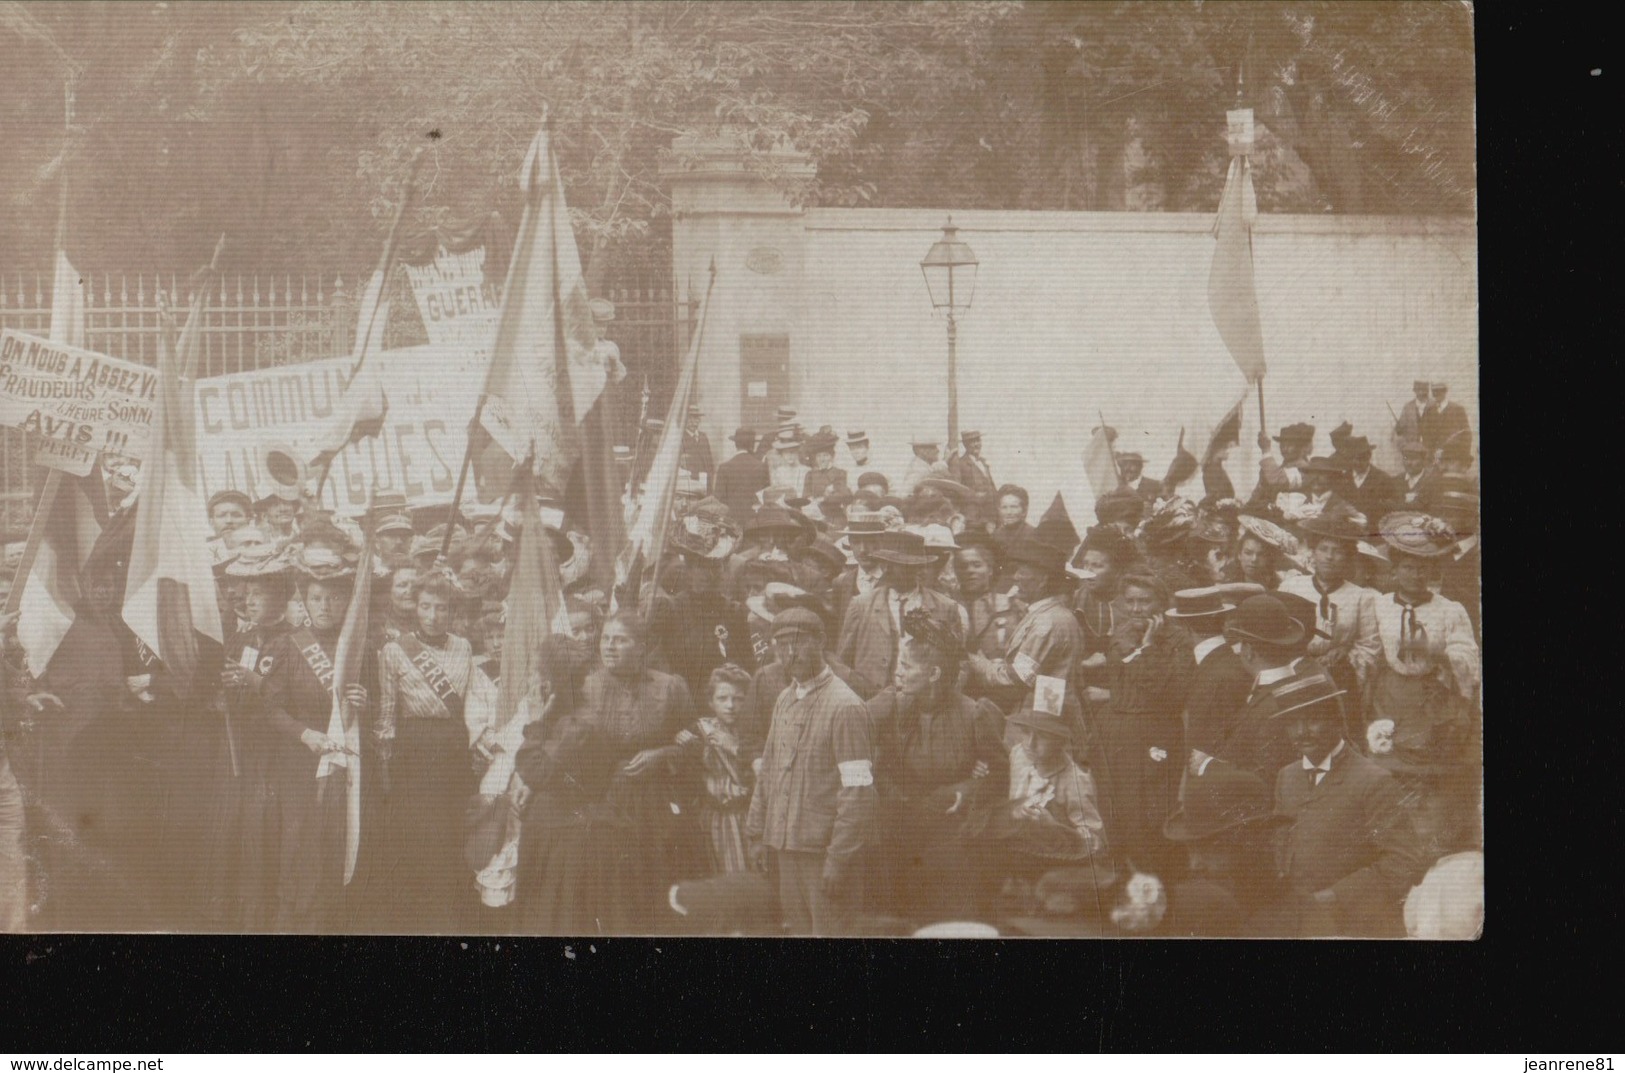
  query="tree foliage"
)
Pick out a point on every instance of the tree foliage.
point(288, 125)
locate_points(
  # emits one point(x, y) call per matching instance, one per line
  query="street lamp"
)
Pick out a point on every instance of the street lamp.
point(950, 279)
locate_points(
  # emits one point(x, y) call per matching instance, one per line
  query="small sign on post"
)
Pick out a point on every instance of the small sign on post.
point(1239, 131)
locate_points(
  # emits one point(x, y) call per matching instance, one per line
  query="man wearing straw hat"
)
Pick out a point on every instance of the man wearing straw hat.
point(873, 624)
point(1346, 854)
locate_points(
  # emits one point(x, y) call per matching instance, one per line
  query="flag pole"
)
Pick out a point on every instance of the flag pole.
point(462, 479)
point(386, 261)
point(53, 477)
point(1263, 425)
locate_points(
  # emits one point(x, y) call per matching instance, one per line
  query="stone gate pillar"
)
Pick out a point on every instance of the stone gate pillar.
point(722, 209)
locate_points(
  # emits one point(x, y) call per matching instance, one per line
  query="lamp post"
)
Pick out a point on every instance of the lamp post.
point(950, 279)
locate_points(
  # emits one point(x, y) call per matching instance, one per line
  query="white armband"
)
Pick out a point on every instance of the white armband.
point(1025, 668)
point(855, 773)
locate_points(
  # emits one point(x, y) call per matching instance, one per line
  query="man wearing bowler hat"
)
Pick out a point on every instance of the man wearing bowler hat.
point(812, 814)
point(1130, 477)
point(873, 624)
point(1346, 853)
point(1226, 823)
point(741, 477)
point(1268, 641)
point(1445, 421)
point(1363, 486)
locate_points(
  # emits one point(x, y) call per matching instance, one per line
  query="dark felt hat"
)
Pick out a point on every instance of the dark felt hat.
point(1301, 432)
point(1033, 552)
point(900, 547)
point(743, 438)
point(1320, 464)
point(1264, 619)
point(1223, 798)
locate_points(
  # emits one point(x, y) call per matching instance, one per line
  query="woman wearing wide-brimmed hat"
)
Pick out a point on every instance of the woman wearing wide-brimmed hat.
point(1426, 679)
point(249, 837)
point(298, 700)
point(1265, 553)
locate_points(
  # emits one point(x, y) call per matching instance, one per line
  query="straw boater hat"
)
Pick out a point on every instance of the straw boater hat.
point(788, 439)
point(922, 438)
point(1308, 687)
point(706, 532)
point(603, 310)
point(854, 437)
point(1200, 603)
point(1421, 536)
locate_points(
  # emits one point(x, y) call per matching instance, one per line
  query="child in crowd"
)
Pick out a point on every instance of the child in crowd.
point(728, 780)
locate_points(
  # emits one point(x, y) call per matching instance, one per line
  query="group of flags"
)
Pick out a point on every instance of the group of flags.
point(543, 410)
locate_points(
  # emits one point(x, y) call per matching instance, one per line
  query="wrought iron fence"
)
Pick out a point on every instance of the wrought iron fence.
point(256, 322)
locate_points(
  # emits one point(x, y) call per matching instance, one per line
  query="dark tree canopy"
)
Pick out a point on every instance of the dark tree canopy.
point(288, 125)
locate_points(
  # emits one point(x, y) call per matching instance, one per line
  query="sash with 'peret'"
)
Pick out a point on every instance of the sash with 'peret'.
point(319, 662)
point(429, 667)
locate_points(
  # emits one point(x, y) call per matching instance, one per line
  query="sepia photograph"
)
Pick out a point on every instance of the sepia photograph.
point(767, 469)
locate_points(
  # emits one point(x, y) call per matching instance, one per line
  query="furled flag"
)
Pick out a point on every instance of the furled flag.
point(534, 608)
point(1181, 469)
point(1100, 460)
point(169, 596)
point(361, 409)
point(544, 392)
point(546, 371)
point(1232, 295)
point(71, 510)
point(1215, 479)
point(646, 540)
point(342, 724)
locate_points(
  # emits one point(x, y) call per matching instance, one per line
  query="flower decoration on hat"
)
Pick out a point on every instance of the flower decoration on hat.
point(928, 629)
point(319, 562)
point(1417, 534)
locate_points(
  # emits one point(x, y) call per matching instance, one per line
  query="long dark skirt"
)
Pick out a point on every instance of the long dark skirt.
point(429, 886)
point(1137, 792)
point(310, 816)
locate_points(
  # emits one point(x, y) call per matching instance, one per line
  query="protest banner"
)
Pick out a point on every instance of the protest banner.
point(458, 304)
point(77, 403)
point(431, 390)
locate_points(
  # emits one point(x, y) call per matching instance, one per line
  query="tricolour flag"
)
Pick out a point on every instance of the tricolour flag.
point(169, 597)
point(546, 372)
point(646, 539)
point(533, 610)
point(1232, 295)
point(70, 513)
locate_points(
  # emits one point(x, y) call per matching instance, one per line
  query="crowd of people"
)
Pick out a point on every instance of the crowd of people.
point(857, 703)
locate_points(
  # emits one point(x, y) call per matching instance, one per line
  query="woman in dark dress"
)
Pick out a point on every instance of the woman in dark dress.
point(429, 695)
point(940, 757)
point(623, 824)
point(297, 700)
point(250, 836)
point(1139, 730)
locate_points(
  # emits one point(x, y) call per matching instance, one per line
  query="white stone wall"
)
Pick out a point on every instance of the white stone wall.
point(1083, 313)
